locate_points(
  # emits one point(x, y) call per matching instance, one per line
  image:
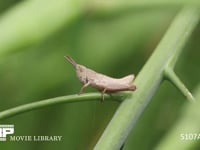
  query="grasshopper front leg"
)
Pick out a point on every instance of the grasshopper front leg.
point(83, 87)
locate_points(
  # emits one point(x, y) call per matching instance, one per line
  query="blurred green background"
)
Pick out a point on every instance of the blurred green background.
point(116, 42)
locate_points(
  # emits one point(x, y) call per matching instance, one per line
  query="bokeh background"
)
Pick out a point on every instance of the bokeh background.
point(114, 40)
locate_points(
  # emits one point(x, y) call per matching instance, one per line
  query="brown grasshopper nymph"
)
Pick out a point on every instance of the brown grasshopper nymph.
point(101, 82)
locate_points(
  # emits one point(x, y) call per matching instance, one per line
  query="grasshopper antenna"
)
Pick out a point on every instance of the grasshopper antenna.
point(69, 59)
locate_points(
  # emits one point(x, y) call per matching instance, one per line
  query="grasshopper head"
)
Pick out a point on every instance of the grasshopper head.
point(81, 72)
point(80, 69)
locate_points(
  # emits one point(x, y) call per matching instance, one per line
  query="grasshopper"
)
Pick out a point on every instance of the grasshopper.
point(101, 82)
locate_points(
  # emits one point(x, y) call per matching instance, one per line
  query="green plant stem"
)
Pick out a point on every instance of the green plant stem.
point(52, 101)
point(173, 78)
point(148, 80)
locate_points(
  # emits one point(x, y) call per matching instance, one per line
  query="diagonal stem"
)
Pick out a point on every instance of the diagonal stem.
point(148, 80)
